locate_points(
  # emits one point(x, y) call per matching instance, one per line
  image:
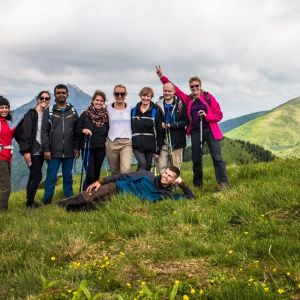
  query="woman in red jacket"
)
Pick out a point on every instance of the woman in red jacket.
point(202, 105)
point(6, 136)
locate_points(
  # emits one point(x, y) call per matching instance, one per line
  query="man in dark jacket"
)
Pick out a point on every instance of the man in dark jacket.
point(142, 184)
point(175, 122)
point(58, 142)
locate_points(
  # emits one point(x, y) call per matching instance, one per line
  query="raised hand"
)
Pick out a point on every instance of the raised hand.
point(159, 71)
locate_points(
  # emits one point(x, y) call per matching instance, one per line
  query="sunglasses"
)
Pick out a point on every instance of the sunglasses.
point(194, 86)
point(119, 94)
point(44, 98)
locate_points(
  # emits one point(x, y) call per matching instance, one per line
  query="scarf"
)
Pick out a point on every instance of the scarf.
point(98, 116)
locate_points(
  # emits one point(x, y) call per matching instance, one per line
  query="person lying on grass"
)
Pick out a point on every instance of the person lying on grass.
point(142, 184)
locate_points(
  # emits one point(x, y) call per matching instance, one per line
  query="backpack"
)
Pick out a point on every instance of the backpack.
point(153, 113)
point(19, 130)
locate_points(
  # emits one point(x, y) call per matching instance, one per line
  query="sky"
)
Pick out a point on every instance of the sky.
point(245, 52)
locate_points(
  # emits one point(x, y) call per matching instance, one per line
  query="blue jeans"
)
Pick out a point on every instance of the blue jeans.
point(53, 167)
point(214, 147)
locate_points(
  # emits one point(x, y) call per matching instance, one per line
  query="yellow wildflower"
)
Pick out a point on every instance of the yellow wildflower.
point(128, 284)
point(274, 270)
point(69, 291)
point(230, 251)
point(192, 291)
point(185, 297)
point(250, 280)
point(241, 269)
point(280, 291)
point(106, 258)
point(122, 253)
point(256, 261)
point(143, 283)
point(53, 258)
point(298, 285)
point(288, 274)
point(246, 232)
point(266, 289)
point(177, 282)
point(201, 292)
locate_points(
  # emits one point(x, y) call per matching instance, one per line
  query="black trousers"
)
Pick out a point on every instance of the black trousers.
point(214, 147)
point(96, 158)
point(35, 177)
point(5, 172)
point(144, 160)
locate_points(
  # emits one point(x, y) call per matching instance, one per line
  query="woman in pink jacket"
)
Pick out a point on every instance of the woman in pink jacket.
point(6, 135)
point(201, 104)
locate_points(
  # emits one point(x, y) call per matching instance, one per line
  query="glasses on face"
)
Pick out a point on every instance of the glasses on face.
point(44, 98)
point(119, 94)
point(194, 86)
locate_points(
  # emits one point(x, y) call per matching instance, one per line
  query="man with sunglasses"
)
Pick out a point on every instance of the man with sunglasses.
point(118, 143)
point(30, 145)
point(58, 142)
point(202, 107)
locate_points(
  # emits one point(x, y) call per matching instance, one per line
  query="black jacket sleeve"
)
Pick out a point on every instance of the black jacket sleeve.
point(159, 130)
point(46, 131)
point(78, 129)
point(28, 132)
point(187, 191)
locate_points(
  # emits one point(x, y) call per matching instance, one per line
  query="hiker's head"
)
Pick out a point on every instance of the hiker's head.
point(170, 175)
point(120, 93)
point(146, 94)
point(61, 93)
point(195, 85)
point(168, 91)
point(5, 108)
point(43, 99)
point(98, 100)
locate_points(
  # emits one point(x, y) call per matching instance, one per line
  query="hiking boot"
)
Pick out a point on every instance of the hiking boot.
point(223, 186)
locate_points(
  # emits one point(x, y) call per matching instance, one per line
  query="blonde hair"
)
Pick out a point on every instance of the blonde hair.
point(121, 86)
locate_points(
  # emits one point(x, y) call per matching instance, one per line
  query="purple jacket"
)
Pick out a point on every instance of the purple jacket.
point(214, 113)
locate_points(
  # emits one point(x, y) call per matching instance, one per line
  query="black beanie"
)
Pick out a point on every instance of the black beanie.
point(4, 101)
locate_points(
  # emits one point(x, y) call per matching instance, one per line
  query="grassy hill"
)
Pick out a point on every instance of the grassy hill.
point(240, 244)
point(277, 130)
point(236, 122)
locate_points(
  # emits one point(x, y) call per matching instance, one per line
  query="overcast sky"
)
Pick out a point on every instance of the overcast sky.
point(247, 53)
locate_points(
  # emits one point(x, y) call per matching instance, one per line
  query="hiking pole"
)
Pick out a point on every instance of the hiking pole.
point(82, 166)
point(170, 151)
point(201, 136)
point(87, 160)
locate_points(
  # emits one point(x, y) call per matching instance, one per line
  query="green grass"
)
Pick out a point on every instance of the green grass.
point(240, 244)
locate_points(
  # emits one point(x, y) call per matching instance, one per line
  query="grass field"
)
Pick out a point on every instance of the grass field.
point(240, 244)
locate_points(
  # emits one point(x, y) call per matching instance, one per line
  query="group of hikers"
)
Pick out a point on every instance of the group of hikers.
point(154, 132)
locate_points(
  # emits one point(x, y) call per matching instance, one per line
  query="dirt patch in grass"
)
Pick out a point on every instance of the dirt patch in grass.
point(166, 271)
point(285, 213)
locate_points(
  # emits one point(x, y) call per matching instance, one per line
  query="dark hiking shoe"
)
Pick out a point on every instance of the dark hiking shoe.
point(32, 205)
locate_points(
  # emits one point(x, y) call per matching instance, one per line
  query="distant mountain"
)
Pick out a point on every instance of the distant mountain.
point(236, 122)
point(277, 130)
point(77, 98)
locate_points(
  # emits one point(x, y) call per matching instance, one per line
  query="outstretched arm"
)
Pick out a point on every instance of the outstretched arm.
point(179, 93)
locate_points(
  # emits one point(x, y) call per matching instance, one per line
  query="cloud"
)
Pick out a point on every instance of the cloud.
point(245, 52)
